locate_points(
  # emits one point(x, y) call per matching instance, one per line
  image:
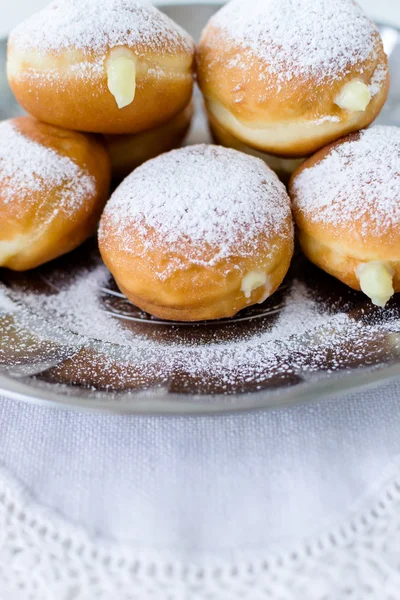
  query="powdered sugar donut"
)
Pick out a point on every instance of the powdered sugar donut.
point(53, 186)
point(129, 151)
point(101, 65)
point(198, 233)
point(346, 202)
point(289, 76)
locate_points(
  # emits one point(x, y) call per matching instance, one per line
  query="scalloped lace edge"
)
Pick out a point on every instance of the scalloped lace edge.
point(44, 557)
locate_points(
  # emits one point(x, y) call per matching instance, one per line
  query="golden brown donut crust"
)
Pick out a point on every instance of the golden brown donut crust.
point(291, 115)
point(30, 233)
point(129, 151)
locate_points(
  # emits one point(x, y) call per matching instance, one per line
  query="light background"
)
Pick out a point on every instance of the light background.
point(14, 11)
point(119, 477)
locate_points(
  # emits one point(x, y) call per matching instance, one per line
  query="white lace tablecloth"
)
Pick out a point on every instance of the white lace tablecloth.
point(292, 504)
point(296, 504)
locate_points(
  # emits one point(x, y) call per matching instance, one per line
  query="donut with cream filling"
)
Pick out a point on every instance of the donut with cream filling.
point(346, 203)
point(290, 76)
point(53, 187)
point(198, 233)
point(103, 66)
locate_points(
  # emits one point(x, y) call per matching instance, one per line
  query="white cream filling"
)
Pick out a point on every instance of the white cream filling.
point(376, 281)
point(355, 96)
point(252, 281)
point(121, 76)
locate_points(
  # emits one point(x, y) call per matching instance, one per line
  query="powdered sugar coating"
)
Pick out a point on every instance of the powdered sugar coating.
point(28, 168)
point(201, 196)
point(323, 39)
point(378, 78)
point(98, 25)
point(357, 183)
point(305, 336)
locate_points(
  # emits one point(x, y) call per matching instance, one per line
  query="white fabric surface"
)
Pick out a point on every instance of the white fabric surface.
point(194, 485)
point(158, 498)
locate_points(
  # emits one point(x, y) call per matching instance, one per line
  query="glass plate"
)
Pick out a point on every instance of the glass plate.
point(69, 338)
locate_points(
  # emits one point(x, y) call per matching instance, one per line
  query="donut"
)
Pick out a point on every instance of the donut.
point(198, 233)
point(101, 66)
point(346, 203)
point(288, 77)
point(129, 151)
point(54, 184)
point(283, 167)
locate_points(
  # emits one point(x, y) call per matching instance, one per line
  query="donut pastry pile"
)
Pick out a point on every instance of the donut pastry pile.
point(204, 231)
point(283, 79)
point(107, 84)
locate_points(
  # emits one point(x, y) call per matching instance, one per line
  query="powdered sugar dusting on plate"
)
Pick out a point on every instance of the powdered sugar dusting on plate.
point(325, 39)
point(27, 168)
point(97, 25)
point(201, 196)
point(302, 335)
point(78, 308)
point(358, 178)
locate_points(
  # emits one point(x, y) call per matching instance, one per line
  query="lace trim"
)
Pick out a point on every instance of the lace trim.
point(42, 557)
